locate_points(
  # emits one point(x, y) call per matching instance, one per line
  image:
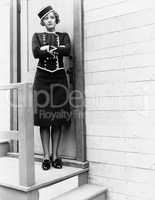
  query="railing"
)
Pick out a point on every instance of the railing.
point(25, 132)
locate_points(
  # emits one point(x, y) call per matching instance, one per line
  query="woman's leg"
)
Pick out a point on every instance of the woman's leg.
point(45, 139)
point(56, 136)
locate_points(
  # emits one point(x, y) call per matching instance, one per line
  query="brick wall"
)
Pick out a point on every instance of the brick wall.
point(120, 96)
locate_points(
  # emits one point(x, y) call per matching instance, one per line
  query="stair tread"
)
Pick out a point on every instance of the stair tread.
point(4, 141)
point(84, 192)
point(43, 178)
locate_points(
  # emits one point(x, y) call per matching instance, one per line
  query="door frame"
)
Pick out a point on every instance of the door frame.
point(78, 63)
point(15, 65)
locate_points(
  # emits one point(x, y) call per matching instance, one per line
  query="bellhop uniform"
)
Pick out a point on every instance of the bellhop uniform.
point(50, 87)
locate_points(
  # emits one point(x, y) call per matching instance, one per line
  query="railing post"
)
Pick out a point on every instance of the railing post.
point(26, 136)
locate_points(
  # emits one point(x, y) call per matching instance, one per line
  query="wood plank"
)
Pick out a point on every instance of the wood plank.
point(134, 130)
point(146, 47)
point(87, 191)
point(4, 147)
point(137, 175)
point(116, 196)
point(123, 118)
point(122, 158)
point(126, 124)
point(124, 8)
point(9, 193)
point(121, 103)
point(120, 63)
point(121, 89)
point(24, 40)
point(120, 38)
point(78, 51)
point(13, 68)
point(82, 179)
point(89, 5)
point(58, 189)
point(133, 145)
point(122, 76)
point(26, 136)
point(120, 23)
point(11, 86)
point(66, 162)
point(9, 135)
point(14, 118)
point(139, 103)
point(128, 188)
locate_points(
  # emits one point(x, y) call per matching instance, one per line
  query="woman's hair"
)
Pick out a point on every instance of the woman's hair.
point(57, 19)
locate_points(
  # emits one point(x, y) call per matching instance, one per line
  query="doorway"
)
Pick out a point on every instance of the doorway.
point(71, 16)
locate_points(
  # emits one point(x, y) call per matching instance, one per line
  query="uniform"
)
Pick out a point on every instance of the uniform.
point(50, 87)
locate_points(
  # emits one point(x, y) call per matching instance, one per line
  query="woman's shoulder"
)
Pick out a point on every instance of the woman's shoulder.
point(39, 33)
point(62, 34)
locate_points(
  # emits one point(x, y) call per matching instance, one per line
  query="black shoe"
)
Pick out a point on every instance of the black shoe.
point(46, 164)
point(57, 163)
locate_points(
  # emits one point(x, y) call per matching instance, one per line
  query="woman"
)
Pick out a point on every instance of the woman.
point(51, 103)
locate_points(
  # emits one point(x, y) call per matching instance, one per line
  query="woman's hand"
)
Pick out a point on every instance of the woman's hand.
point(45, 48)
point(52, 49)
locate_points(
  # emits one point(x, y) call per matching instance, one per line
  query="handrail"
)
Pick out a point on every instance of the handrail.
point(25, 134)
point(13, 86)
point(14, 135)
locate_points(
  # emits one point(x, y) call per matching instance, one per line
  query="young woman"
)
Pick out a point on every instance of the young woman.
point(51, 102)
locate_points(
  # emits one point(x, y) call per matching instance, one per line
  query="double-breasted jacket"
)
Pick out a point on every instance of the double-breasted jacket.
point(60, 41)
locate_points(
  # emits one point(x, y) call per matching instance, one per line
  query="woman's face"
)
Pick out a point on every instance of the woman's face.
point(49, 21)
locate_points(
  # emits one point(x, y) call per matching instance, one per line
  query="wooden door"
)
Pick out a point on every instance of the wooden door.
point(30, 23)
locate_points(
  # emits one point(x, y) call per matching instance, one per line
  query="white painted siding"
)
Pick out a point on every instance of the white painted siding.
point(120, 96)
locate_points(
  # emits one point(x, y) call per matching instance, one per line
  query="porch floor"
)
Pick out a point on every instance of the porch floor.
point(9, 174)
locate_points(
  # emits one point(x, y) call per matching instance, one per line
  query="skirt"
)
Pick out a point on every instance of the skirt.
point(51, 99)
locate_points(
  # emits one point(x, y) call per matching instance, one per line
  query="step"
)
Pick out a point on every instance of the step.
point(85, 192)
point(66, 162)
point(4, 147)
point(43, 178)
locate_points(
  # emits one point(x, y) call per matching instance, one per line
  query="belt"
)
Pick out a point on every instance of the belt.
point(51, 71)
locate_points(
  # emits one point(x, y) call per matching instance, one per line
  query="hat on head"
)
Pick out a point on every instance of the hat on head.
point(44, 11)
